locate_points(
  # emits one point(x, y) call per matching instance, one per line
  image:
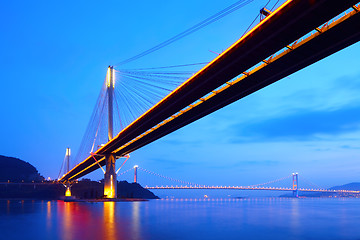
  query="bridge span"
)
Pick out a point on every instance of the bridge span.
point(267, 53)
point(177, 184)
point(251, 188)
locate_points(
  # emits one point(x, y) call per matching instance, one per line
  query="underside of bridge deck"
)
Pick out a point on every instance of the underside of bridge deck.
point(288, 23)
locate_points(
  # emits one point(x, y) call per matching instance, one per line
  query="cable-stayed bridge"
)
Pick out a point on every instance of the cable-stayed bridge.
point(295, 35)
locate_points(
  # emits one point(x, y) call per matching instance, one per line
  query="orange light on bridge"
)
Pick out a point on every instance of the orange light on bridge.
point(109, 191)
point(68, 192)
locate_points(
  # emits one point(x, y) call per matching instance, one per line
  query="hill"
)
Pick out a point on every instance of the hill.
point(17, 177)
point(16, 170)
point(349, 186)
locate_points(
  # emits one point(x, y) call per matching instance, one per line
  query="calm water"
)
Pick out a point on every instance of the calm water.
point(264, 218)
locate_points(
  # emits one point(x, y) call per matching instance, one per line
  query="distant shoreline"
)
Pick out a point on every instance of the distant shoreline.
point(80, 190)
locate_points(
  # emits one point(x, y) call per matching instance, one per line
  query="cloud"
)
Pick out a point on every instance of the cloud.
point(348, 83)
point(301, 126)
point(256, 163)
point(169, 162)
point(349, 147)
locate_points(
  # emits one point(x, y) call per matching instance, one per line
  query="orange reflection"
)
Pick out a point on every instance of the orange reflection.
point(109, 221)
point(48, 214)
point(67, 221)
point(75, 221)
point(96, 220)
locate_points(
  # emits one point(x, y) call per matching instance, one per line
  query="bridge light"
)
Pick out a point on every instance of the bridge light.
point(68, 192)
point(113, 77)
point(108, 77)
point(68, 152)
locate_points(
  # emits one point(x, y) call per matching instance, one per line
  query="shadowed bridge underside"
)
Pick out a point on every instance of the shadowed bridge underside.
point(214, 86)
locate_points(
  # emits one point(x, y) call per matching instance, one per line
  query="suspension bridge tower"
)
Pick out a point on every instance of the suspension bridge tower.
point(135, 173)
point(110, 182)
point(295, 184)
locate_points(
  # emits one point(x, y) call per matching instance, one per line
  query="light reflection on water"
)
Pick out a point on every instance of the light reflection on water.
point(136, 227)
point(109, 223)
point(255, 218)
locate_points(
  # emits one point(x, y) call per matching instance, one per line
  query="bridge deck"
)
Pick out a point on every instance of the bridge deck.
point(288, 23)
point(252, 188)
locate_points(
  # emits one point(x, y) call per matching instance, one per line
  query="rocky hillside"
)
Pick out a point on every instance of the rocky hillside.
point(16, 170)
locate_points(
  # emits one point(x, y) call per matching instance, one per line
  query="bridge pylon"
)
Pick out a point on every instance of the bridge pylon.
point(110, 182)
point(295, 184)
point(67, 167)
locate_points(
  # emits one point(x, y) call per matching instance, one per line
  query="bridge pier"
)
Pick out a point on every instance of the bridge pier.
point(110, 182)
point(68, 189)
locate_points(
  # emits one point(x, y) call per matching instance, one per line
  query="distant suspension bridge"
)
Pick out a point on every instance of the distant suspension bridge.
point(180, 184)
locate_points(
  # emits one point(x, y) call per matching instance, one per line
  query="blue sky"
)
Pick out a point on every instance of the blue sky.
point(53, 62)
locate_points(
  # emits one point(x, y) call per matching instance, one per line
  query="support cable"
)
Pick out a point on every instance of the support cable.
point(311, 184)
point(273, 181)
point(125, 172)
point(93, 156)
point(127, 156)
point(196, 27)
point(168, 178)
point(62, 165)
point(173, 66)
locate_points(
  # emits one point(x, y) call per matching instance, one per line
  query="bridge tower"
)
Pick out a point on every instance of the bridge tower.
point(135, 173)
point(295, 184)
point(110, 182)
point(67, 168)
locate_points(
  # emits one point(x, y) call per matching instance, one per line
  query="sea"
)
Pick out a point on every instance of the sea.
point(188, 218)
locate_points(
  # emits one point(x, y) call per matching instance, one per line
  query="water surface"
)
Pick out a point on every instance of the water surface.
point(262, 218)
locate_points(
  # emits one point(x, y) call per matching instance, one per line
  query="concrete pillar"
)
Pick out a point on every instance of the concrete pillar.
point(110, 182)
